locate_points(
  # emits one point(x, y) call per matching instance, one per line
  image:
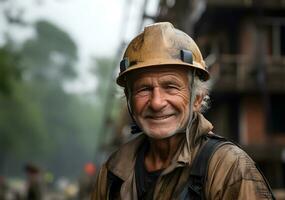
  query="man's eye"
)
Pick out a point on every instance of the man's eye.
point(142, 90)
point(172, 87)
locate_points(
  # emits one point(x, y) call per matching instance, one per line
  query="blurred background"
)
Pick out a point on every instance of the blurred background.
point(62, 113)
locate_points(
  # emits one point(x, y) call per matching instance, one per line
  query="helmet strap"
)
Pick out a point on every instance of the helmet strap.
point(134, 127)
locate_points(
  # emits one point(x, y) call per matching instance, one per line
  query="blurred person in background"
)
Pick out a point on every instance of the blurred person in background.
point(3, 188)
point(34, 182)
point(176, 155)
point(87, 181)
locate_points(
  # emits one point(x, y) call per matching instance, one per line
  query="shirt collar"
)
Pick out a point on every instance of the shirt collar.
point(122, 162)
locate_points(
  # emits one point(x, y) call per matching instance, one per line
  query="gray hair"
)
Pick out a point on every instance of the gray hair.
point(201, 88)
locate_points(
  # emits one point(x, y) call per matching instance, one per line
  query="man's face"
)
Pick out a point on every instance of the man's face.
point(160, 100)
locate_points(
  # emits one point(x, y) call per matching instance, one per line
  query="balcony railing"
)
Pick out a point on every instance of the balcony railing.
point(240, 73)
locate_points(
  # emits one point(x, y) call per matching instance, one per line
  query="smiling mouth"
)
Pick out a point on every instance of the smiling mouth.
point(159, 117)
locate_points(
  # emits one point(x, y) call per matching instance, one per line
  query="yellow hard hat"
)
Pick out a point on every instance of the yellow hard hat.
point(161, 44)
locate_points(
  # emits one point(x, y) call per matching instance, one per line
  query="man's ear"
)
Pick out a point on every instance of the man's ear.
point(198, 103)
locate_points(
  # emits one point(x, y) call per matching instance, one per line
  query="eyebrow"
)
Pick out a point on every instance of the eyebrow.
point(172, 79)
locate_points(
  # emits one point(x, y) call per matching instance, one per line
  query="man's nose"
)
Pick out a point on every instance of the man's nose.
point(157, 101)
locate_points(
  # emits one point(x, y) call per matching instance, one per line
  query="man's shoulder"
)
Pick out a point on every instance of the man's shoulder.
point(224, 149)
point(232, 153)
point(231, 170)
point(234, 162)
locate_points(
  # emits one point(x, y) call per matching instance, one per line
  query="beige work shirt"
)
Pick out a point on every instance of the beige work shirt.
point(231, 174)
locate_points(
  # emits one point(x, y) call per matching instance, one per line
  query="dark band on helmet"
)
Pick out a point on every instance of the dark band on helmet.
point(124, 64)
point(186, 56)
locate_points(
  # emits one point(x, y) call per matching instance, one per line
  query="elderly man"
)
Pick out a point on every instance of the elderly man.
point(165, 81)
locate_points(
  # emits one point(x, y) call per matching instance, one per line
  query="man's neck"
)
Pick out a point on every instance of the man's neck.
point(161, 152)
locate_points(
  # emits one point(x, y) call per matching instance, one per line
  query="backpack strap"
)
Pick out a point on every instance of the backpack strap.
point(114, 184)
point(194, 189)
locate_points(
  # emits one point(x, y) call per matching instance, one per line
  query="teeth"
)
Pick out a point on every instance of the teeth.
point(160, 117)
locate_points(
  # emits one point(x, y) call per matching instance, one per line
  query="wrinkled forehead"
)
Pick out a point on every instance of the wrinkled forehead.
point(158, 72)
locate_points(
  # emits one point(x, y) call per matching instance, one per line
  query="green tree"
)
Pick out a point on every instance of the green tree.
point(39, 120)
point(50, 56)
point(9, 70)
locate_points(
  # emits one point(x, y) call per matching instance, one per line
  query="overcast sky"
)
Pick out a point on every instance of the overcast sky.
point(96, 26)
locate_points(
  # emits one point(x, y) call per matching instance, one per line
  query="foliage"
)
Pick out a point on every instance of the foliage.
point(50, 56)
point(9, 71)
point(39, 120)
point(20, 120)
